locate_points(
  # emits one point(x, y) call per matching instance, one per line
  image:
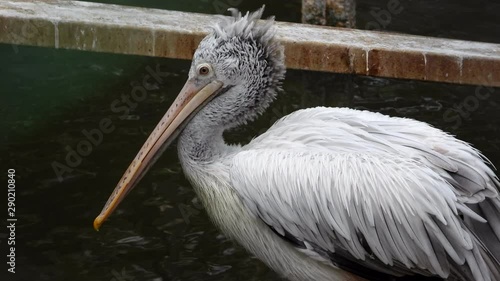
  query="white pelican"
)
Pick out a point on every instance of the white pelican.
point(325, 193)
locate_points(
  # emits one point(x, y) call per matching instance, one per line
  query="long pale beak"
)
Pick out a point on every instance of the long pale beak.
point(190, 99)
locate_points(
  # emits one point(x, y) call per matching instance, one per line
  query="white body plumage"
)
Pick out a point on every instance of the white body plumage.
point(324, 175)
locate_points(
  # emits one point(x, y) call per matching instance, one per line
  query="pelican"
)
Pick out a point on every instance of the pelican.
point(325, 193)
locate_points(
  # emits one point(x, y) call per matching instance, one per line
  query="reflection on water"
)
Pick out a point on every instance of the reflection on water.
point(54, 99)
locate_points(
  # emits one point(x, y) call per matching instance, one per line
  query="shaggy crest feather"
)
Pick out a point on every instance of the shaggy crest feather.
point(248, 28)
point(245, 26)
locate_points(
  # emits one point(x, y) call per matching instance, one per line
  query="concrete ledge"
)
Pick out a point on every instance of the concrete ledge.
point(151, 32)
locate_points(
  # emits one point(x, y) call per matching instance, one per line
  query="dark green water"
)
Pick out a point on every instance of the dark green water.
point(50, 97)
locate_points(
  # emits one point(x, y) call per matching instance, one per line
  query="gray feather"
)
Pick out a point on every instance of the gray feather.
point(392, 188)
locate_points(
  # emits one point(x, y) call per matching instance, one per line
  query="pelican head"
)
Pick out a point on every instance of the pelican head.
point(236, 73)
point(242, 56)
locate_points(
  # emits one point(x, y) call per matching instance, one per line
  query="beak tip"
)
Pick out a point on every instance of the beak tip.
point(97, 223)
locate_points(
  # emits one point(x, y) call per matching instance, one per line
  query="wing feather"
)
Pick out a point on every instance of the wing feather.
point(391, 194)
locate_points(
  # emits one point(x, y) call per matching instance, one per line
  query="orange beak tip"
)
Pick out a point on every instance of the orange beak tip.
point(97, 223)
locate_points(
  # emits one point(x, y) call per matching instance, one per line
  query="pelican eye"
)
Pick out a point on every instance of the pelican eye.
point(204, 69)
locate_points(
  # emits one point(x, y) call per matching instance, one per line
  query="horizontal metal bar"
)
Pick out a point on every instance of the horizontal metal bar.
point(162, 33)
